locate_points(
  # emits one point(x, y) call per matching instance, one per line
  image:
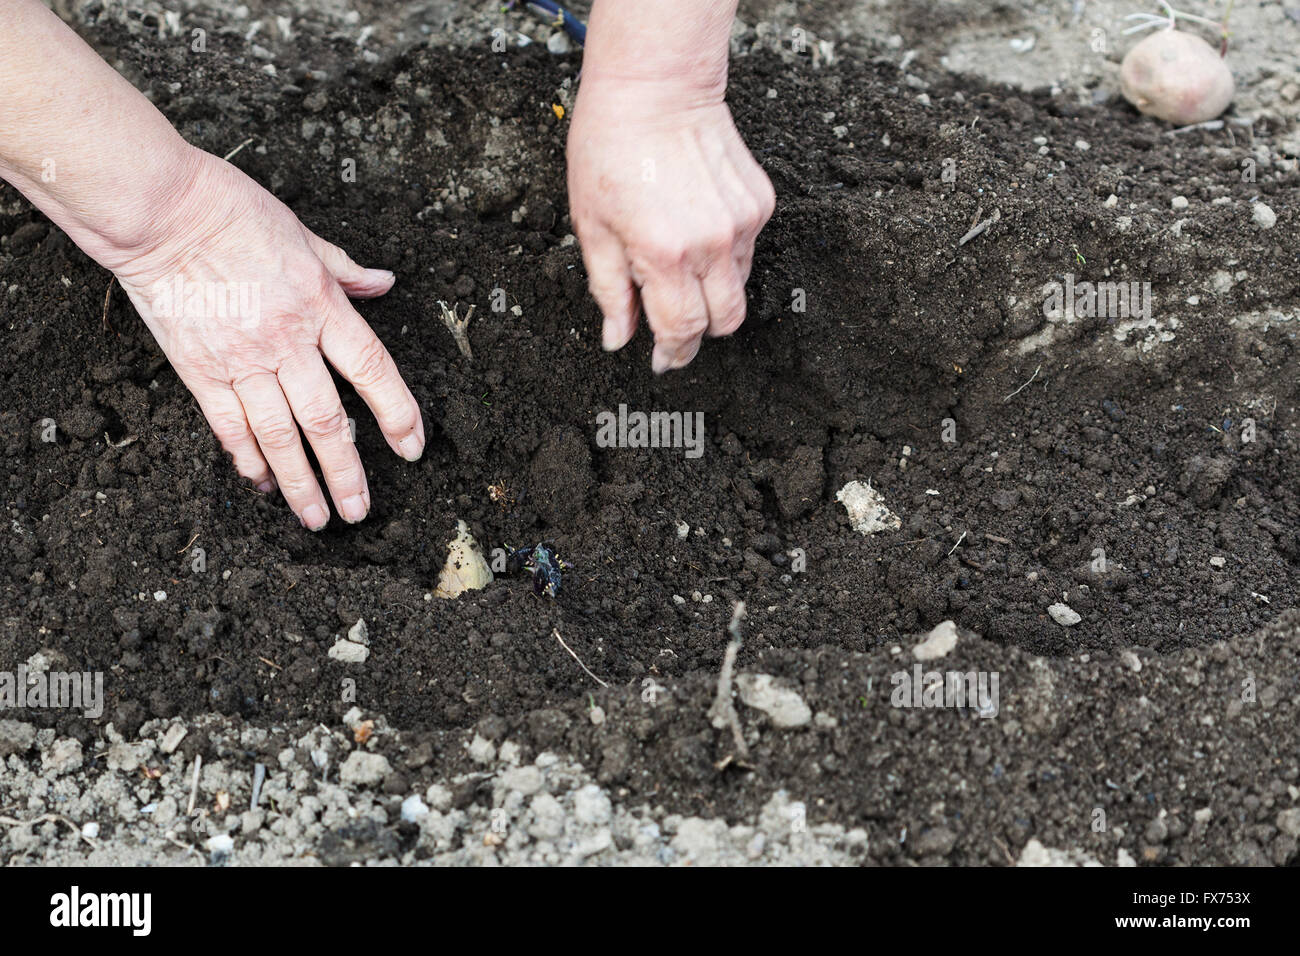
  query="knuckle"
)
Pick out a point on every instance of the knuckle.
point(664, 252)
point(230, 431)
point(732, 319)
point(323, 419)
point(716, 243)
point(766, 201)
point(681, 330)
point(371, 364)
point(280, 435)
point(401, 417)
point(611, 294)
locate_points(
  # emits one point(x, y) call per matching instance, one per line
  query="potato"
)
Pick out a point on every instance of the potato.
point(1177, 77)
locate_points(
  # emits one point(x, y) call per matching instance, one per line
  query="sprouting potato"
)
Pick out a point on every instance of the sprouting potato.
point(1177, 77)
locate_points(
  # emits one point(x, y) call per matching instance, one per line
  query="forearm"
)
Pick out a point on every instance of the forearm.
point(78, 140)
point(686, 41)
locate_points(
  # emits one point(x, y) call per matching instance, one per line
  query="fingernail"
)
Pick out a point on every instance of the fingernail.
point(354, 509)
point(609, 337)
point(384, 274)
point(411, 447)
point(314, 517)
point(267, 486)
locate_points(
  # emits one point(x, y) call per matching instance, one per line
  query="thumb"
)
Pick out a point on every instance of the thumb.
point(357, 281)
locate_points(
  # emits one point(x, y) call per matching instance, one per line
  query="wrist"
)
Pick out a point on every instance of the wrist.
point(157, 209)
point(669, 51)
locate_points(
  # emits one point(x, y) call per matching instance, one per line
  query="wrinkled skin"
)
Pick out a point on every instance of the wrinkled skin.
point(1177, 77)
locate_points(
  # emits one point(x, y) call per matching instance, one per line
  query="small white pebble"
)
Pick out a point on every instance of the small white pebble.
point(160, 595)
point(1263, 215)
point(1218, 562)
point(1178, 202)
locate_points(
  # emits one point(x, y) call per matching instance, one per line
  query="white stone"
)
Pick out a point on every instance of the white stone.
point(172, 738)
point(937, 643)
point(1064, 615)
point(358, 633)
point(1263, 215)
point(482, 750)
point(1036, 855)
point(414, 810)
point(364, 769)
point(867, 511)
point(591, 806)
point(349, 652)
point(786, 708)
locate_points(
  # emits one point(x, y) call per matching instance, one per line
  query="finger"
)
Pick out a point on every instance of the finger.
point(610, 280)
point(358, 282)
point(678, 315)
point(277, 435)
point(724, 294)
point(226, 416)
point(315, 403)
point(354, 349)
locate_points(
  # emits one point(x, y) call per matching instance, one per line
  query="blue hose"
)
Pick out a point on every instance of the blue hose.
point(571, 24)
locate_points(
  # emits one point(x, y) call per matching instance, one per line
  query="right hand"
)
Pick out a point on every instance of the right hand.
point(260, 373)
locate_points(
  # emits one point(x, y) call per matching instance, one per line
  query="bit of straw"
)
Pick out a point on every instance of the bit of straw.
point(555, 633)
point(723, 712)
point(194, 785)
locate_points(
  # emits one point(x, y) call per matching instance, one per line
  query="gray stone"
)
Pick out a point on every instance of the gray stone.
point(591, 806)
point(349, 652)
point(172, 738)
point(785, 708)
point(15, 737)
point(358, 633)
point(64, 756)
point(938, 643)
point(364, 769)
point(1064, 615)
point(526, 780)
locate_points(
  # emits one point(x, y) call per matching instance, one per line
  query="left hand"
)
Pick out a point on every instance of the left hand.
point(667, 203)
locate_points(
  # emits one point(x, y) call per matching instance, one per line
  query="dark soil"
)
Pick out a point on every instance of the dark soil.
point(460, 191)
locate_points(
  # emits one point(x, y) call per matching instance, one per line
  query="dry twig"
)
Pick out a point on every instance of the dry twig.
point(723, 712)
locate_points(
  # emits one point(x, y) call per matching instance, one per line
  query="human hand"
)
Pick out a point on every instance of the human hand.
point(248, 304)
point(667, 203)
